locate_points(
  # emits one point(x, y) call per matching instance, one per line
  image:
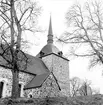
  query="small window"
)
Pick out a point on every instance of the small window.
point(30, 96)
point(41, 54)
point(19, 87)
point(1, 88)
point(60, 53)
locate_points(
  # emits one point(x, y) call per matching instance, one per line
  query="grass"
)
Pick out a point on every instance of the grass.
point(80, 100)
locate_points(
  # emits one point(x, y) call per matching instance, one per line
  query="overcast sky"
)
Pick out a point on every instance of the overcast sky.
point(58, 9)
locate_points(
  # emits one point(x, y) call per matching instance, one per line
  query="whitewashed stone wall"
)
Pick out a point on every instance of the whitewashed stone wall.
point(49, 88)
point(60, 68)
point(6, 78)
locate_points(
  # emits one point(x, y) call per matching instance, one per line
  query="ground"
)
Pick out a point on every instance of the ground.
point(80, 100)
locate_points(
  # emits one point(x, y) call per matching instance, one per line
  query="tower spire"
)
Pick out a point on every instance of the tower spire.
point(50, 32)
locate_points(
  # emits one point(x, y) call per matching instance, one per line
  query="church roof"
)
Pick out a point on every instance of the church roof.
point(48, 49)
point(37, 81)
point(36, 65)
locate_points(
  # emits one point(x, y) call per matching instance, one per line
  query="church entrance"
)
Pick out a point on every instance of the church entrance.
point(1, 88)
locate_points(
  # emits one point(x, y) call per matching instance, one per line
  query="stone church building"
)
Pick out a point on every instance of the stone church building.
point(46, 75)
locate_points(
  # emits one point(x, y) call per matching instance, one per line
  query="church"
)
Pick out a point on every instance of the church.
point(46, 75)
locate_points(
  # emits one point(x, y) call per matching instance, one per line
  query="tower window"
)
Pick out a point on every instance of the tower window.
point(41, 54)
point(60, 53)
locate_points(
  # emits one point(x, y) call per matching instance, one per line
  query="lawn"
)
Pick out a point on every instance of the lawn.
point(80, 100)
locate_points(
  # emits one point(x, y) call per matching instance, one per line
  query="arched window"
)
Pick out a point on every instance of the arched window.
point(1, 88)
point(19, 90)
point(30, 95)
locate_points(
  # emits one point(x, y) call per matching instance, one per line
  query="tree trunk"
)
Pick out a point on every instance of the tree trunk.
point(15, 82)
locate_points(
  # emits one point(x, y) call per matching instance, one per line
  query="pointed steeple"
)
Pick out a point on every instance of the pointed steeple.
point(50, 33)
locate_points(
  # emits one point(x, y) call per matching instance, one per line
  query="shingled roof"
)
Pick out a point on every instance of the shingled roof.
point(37, 81)
point(48, 49)
point(36, 65)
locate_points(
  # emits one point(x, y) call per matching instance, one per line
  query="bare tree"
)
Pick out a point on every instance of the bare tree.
point(75, 84)
point(16, 16)
point(80, 87)
point(85, 30)
point(85, 89)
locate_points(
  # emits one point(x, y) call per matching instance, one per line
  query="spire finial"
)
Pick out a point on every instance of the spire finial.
point(50, 33)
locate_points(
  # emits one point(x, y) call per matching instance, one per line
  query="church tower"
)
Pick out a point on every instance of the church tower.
point(56, 62)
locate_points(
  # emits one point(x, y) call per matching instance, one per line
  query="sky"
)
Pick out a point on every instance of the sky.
point(78, 66)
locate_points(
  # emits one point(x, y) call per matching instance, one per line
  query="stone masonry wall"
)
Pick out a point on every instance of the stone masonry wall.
point(48, 61)
point(49, 88)
point(60, 68)
point(6, 78)
point(61, 72)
